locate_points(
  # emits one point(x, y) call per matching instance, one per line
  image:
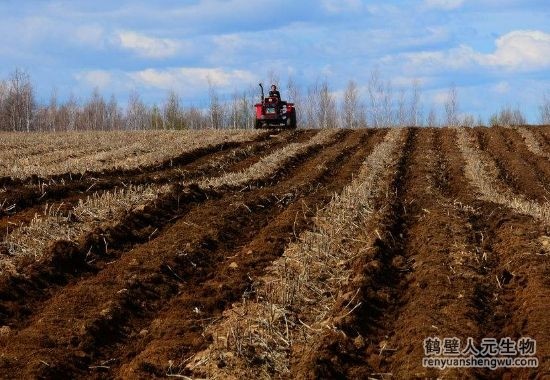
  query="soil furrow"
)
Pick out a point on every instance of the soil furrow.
point(450, 266)
point(67, 262)
point(260, 271)
point(502, 239)
point(514, 290)
point(180, 335)
point(442, 256)
point(514, 172)
point(160, 273)
point(538, 165)
point(24, 200)
point(543, 134)
point(352, 349)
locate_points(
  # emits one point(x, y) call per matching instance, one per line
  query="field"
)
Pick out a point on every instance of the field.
point(288, 254)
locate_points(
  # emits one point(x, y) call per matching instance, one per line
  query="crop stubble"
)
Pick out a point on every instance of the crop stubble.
point(442, 253)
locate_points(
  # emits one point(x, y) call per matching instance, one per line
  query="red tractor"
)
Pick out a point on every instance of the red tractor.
point(274, 113)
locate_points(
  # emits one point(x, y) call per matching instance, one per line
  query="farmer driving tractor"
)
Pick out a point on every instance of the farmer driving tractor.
point(275, 93)
point(273, 112)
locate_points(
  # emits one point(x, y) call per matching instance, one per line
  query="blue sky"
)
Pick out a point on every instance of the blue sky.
point(496, 52)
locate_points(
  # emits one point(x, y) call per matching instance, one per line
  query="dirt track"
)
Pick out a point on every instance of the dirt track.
point(133, 300)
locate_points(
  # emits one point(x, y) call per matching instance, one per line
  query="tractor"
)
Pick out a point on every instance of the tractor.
point(274, 113)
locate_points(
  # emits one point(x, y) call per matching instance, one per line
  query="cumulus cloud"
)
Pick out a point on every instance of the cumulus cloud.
point(444, 4)
point(95, 78)
point(194, 78)
point(521, 50)
point(148, 46)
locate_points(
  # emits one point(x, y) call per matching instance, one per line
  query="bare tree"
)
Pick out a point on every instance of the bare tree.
point(69, 114)
point(310, 106)
point(20, 101)
point(402, 118)
point(432, 118)
point(468, 121)
point(4, 114)
point(351, 108)
point(240, 114)
point(52, 112)
point(387, 105)
point(172, 112)
point(480, 122)
point(156, 119)
point(95, 112)
point(246, 109)
point(415, 110)
point(544, 110)
point(216, 109)
point(196, 119)
point(137, 116)
point(114, 115)
point(294, 95)
point(326, 107)
point(451, 107)
point(508, 117)
point(375, 88)
point(381, 101)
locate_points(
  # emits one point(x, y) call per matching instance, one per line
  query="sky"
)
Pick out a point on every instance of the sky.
point(496, 52)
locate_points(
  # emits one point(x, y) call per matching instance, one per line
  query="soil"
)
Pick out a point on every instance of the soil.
point(133, 298)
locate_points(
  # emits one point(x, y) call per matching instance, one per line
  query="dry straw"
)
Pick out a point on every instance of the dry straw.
point(50, 154)
point(269, 164)
point(293, 303)
point(31, 241)
point(482, 172)
point(532, 144)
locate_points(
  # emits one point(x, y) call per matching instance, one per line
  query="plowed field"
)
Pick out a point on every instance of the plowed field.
point(288, 254)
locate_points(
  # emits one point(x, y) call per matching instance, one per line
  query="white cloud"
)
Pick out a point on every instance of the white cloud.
point(193, 78)
point(518, 50)
point(95, 78)
point(90, 35)
point(444, 4)
point(339, 6)
point(148, 46)
point(502, 87)
point(521, 49)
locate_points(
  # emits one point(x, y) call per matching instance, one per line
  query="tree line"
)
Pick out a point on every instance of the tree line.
point(377, 104)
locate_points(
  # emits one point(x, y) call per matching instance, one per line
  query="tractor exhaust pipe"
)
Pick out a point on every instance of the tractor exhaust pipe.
point(262, 88)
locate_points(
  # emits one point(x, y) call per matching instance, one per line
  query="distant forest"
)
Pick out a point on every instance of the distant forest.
point(317, 106)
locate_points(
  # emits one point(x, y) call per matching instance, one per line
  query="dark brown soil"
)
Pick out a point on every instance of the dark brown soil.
point(523, 176)
point(133, 299)
point(448, 265)
point(28, 199)
point(543, 137)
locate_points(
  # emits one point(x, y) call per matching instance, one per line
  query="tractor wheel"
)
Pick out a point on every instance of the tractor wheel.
point(258, 124)
point(291, 121)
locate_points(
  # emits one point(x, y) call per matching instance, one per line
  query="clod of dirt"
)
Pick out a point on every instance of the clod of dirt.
point(5, 330)
point(545, 243)
point(399, 262)
point(506, 277)
point(359, 342)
